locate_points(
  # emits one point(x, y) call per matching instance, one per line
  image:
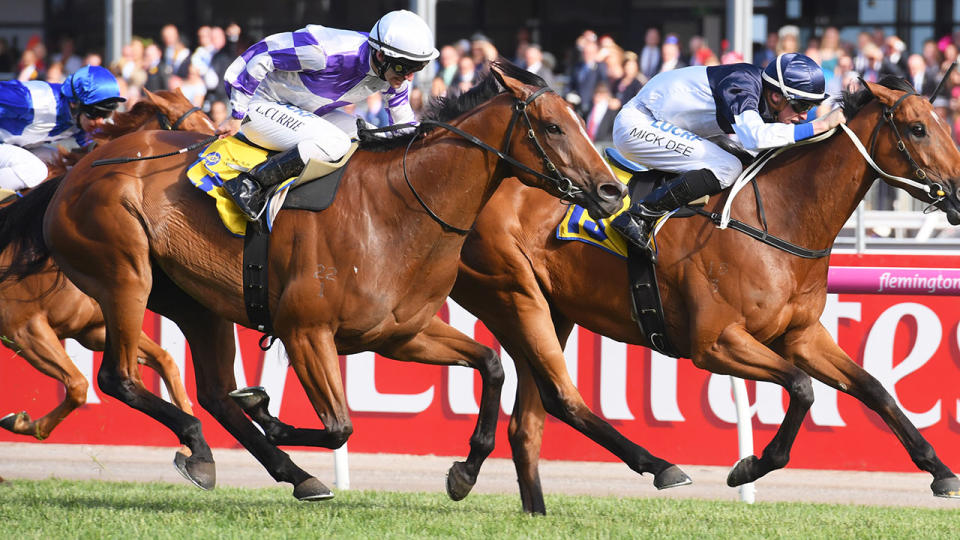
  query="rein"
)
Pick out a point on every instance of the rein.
point(562, 183)
point(194, 146)
point(164, 120)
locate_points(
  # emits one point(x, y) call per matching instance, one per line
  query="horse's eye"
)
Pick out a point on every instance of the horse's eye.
point(918, 130)
point(554, 129)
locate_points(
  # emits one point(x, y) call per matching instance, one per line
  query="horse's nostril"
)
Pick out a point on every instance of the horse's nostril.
point(611, 191)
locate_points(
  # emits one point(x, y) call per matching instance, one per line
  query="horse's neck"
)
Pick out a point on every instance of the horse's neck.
point(456, 180)
point(818, 191)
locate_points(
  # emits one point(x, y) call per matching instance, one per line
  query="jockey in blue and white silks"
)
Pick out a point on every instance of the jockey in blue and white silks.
point(668, 126)
point(286, 90)
point(34, 114)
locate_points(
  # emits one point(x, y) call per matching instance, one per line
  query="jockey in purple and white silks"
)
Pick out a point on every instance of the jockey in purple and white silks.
point(34, 114)
point(669, 124)
point(286, 90)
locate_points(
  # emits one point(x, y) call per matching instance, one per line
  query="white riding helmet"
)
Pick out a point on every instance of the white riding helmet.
point(403, 34)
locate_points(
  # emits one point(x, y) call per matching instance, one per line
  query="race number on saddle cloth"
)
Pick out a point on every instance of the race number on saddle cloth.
point(227, 158)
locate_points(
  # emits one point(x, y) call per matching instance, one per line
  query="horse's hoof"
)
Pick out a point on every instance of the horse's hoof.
point(202, 474)
point(249, 397)
point(459, 482)
point(742, 472)
point(948, 487)
point(9, 422)
point(670, 477)
point(312, 489)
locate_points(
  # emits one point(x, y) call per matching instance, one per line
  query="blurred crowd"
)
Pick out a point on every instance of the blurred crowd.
point(595, 74)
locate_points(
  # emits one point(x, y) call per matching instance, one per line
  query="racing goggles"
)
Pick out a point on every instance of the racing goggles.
point(102, 109)
point(801, 106)
point(404, 67)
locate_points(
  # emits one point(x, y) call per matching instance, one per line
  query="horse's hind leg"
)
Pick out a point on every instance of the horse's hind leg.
point(737, 353)
point(152, 356)
point(442, 344)
point(39, 345)
point(818, 354)
point(119, 278)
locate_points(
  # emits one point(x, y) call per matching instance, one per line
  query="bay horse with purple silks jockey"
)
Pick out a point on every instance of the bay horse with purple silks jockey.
point(732, 305)
point(368, 273)
point(43, 308)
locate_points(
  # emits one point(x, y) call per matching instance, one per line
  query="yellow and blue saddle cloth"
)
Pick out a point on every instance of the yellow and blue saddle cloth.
point(578, 225)
point(222, 160)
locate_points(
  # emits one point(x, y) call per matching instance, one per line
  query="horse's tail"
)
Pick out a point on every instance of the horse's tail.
point(21, 229)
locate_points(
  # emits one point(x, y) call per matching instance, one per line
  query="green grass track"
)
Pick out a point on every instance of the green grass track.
point(88, 509)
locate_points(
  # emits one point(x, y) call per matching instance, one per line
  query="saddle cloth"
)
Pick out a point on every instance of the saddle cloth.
point(226, 158)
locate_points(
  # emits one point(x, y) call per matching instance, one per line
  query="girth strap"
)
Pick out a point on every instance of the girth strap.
point(645, 297)
point(256, 294)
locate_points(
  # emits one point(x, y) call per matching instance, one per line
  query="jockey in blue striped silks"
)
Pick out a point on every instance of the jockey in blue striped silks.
point(669, 125)
point(34, 114)
point(285, 92)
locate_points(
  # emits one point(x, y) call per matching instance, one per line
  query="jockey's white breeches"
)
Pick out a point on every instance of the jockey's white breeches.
point(660, 145)
point(280, 126)
point(20, 168)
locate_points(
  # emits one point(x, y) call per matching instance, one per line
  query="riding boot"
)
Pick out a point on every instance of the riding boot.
point(249, 189)
point(637, 222)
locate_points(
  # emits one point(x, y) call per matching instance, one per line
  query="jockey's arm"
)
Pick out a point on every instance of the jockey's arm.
point(755, 134)
point(245, 74)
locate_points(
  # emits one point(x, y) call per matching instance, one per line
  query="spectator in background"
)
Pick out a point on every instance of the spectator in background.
point(175, 55)
point(523, 41)
point(28, 69)
point(93, 59)
point(788, 39)
point(670, 54)
point(630, 83)
point(55, 73)
point(931, 54)
point(482, 52)
point(894, 61)
point(923, 78)
point(860, 60)
point(586, 76)
point(695, 45)
point(650, 54)
point(376, 114)
point(448, 64)
point(234, 45)
point(193, 87)
point(438, 88)
point(466, 75)
point(769, 51)
point(219, 63)
point(218, 111)
point(202, 57)
point(67, 56)
point(602, 113)
point(156, 78)
point(416, 101)
point(533, 59)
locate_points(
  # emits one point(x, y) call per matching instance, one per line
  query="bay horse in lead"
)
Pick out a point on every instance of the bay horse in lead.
point(368, 273)
point(732, 305)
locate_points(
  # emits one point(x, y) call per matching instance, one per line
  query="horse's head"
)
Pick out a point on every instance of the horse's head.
point(911, 141)
point(556, 147)
point(176, 112)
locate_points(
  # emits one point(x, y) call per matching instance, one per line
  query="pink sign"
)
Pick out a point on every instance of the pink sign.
point(877, 280)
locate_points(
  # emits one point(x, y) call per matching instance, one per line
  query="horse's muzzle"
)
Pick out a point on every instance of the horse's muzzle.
point(607, 200)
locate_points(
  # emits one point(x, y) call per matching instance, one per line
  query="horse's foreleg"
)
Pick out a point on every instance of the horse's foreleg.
point(526, 436)
point(153, 356)
point(822, 358)
point(737, 353)
point(38, 344)
point(442, 344)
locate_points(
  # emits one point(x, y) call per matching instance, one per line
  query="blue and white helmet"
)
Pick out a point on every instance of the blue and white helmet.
point(797, 77)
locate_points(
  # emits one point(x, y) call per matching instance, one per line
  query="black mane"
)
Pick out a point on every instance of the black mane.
point(446, 108)
point(852, 102)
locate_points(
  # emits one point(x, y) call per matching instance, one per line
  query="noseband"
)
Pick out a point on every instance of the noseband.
point(933, 190)
point(165, 121)
point(560, 182)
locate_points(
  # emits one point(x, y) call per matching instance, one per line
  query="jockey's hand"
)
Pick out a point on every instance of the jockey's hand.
point(229, 127)
point(829, 121)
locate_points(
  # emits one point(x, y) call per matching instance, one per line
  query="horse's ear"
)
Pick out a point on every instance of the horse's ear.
point(179, 91)
point(150, 96)
point(519, 88)
point(882, 93)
